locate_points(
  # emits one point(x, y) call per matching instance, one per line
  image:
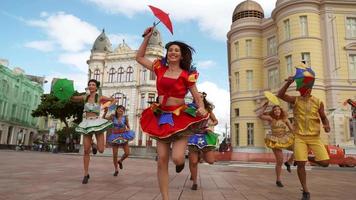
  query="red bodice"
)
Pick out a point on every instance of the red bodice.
point(168, 87)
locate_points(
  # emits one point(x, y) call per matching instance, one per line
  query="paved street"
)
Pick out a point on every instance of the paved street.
point(35, 175)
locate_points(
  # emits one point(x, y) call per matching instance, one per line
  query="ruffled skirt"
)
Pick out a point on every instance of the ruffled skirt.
point(168, 123)
point(203, 141)
point(93, 126)
point(284, 141)
point(120, 138)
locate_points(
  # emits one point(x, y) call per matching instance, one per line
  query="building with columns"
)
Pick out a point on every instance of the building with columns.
point(19, 95)
point(123, 78)
point(262, 52)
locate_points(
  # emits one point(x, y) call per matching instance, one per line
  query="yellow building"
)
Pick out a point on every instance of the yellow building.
point(262, 52)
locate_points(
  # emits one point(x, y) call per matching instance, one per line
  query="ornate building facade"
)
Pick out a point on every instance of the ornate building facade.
point(262, 52)
point(19, 95)
point(123, 78)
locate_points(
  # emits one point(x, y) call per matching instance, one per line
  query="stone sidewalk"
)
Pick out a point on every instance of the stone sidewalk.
point(35, 175)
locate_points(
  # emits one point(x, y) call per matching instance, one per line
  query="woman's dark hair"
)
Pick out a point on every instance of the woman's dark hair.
point(208, 106)
point(117, 108)
point(186, 51)
point(97, 83)
point(281, 116)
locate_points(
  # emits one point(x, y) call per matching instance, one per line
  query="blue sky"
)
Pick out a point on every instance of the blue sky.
point(53, 38)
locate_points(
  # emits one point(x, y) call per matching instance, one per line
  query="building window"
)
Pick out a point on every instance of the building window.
point(144, 72)
point(351, 27)
point(237, 112)
point(352, 66)
point(289, 65)
point(111, 75)
point(237, 49)
point(152, 76)
point(120, 75)
point(306, 58)
point(304, 25)
point(286, 29)
point(1, 110)
point(143, 100)
point(249, 79)
point(4, 108)
point(250, 135)
point(273, 78)
point(151, 98)
point(121, 99)
point(129, 75)
point(13, 111)
point(248, 47)
point(97, 74)
point(17, 90)
point(89, 74)
point(237, 78)
point(271, 46)
point(237, 131)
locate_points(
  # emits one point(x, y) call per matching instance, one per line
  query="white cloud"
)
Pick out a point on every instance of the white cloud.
point(221, 100)
point(205, 64)
point(68, 31)
point(45, 46)
point(73, 34)
point(213, 17)
point(77, 60)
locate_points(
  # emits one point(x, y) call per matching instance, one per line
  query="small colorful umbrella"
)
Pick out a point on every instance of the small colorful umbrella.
point(162, 17)
point(63, 89)
point(271, 98)
point(304, 77)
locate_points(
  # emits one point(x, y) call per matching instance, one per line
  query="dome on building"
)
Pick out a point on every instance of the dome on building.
point(247, 8)
point(102, 43)
point(155, 39)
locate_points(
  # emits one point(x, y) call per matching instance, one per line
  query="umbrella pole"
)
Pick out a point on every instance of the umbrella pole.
point(154, 25)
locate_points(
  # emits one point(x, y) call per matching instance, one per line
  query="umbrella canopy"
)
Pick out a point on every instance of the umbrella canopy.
point(271, 98)
point(163, 17)
point(63, 89)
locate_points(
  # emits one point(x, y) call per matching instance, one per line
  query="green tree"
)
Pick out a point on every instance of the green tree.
point(50, 105)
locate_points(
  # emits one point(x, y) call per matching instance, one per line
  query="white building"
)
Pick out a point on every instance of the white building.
point(122, 77)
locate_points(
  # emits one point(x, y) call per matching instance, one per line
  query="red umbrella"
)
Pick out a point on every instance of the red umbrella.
point(163, 17)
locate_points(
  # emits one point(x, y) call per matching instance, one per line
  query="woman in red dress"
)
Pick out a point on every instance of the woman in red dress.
point(171, 121)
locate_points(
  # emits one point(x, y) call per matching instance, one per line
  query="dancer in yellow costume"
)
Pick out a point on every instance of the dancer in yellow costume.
point(280, 137)
point(308, 111)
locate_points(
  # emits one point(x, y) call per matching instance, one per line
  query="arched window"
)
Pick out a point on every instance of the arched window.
point(120, 75)
point(111, 75)
point(129, 74)
point(121, 99)
point(97, 74)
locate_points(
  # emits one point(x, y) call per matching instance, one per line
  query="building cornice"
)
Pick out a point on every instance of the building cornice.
point(338, 2)
point(351, 46)
point(289, 4)
point(246, 58)
point(298, 38)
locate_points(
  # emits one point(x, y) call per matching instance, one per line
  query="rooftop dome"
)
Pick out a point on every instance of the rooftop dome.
point(155, 39)
point(247, 8)
point(102, 43)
